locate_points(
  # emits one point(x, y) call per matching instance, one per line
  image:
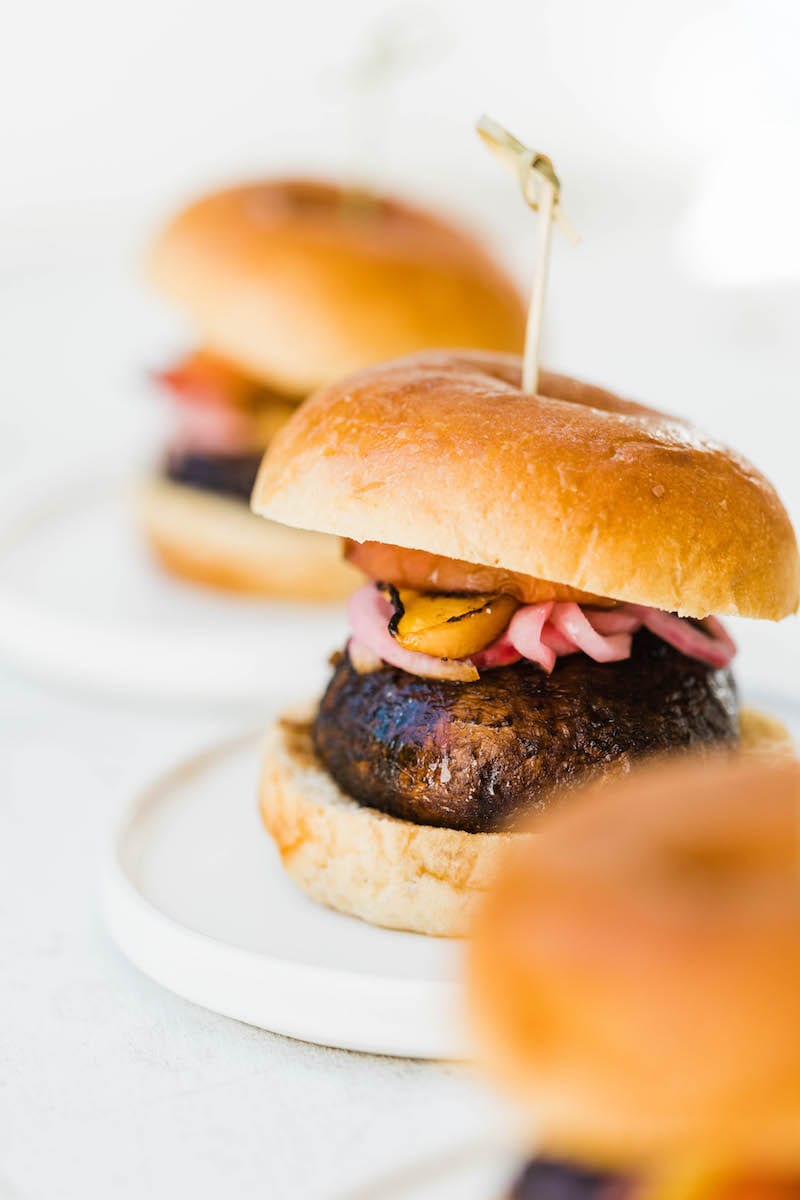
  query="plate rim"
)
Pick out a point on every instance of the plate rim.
point(90, 653)
point(147, 936)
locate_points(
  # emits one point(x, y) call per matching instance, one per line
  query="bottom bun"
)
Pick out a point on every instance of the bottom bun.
point(393, 873)
point(216, 540)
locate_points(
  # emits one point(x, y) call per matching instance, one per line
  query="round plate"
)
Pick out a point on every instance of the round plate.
point(82, 602)
point(195, 895)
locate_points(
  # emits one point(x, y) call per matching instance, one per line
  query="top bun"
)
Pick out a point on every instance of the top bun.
point(443, 452)
point(634, 973)
point(299, 282)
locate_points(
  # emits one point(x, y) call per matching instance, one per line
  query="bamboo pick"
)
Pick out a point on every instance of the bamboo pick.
point(541, 190)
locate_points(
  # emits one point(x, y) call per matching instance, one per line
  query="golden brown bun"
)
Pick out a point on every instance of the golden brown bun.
point(389, 872)
point(635, 972)
point(216, 541)
point(300, 282)
point(442, 452)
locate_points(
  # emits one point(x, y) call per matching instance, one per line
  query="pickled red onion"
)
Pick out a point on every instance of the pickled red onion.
point(370, 612)
point(711, 644)
point(621, 619)
point(572, 622)
point(715, 629)
point(525, 632)
point(541, 633)
point(208, 419)
point(501, 653)
point(208, 426)
point(556, 640)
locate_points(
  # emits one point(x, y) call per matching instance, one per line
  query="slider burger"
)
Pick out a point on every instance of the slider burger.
point(546, 576)
point(290, 284)
point(634, 982)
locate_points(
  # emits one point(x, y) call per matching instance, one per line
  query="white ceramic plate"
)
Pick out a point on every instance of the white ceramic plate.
point(81, 602)
point(195, 896)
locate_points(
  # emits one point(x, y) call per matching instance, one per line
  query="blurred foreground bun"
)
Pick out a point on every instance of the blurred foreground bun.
point(300, 282)
point(635, 971)
point(422, 878)
point(206, 538)
point(443, 452)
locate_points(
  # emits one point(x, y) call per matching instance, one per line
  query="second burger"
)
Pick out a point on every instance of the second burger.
point(290, 284)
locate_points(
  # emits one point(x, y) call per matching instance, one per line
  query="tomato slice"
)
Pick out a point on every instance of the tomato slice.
point(435, 573)
point(204, 378)
point(221, 410)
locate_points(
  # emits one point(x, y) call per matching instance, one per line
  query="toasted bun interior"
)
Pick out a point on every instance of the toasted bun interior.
point(444, 453)
point(390, 872)
point(300, 282)
point(363, 862)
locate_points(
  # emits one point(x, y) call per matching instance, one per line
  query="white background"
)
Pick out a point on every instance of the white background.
point(675, 129)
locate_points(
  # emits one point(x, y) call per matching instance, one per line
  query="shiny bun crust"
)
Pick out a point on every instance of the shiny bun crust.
point(299, 282)
point(212, 540)
point(443, 452)
point(634, 974)
point(390, 872)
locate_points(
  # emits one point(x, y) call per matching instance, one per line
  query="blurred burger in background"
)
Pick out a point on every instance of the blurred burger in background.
point(289, 285)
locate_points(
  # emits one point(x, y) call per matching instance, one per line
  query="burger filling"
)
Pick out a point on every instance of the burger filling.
point(224, 422)
point(550, 1179)
point(464, 709)
point(226, 474)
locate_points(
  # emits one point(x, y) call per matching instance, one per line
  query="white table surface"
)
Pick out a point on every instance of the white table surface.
point(109, 1086)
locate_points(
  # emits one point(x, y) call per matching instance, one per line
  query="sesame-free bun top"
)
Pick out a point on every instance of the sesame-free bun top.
point(634, 973)
point(443, 452)
point(299, 282)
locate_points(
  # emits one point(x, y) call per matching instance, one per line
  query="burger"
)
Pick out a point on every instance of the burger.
point(290, 284)
point(634, 983)
point(545, 579)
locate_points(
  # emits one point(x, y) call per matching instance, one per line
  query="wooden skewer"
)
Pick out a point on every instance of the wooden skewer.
point(541, 189)
point(541, 263)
